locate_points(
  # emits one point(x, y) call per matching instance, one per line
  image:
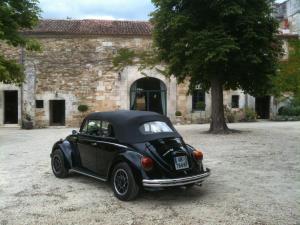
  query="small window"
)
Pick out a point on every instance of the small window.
point(107, 129)
point(155, 127)
point(199, 100)
point(39, 104)
point(92, 127)
point(235, 101)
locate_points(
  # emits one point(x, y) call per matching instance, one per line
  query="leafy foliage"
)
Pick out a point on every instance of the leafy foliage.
point(296, 99)
point(289, 111)
point(10, 71)
point(288, 79)
point(232, 41)
point(218, 44)
point(250, 114)
point(125, 57)
point(147, 59)
point(16, 15)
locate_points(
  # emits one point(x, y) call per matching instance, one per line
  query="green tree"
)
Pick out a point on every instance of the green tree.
point(16, 15)
point(218, 44)
point(288, 79)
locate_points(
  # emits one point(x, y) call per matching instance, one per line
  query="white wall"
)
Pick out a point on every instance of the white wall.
point(70, 108)
point(292, 7)
point(293, 13)
point(294, 22)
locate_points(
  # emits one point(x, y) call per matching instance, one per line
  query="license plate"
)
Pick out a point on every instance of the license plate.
point(181, 162)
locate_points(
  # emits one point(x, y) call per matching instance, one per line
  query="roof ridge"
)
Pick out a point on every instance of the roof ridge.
point(100, 20)
point(91, 27)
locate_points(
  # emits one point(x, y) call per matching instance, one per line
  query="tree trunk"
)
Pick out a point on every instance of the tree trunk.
point(217, 124)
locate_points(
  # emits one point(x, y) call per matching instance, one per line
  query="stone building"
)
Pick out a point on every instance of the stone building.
point(75, 68)
point(293, 15)
point(288, 14)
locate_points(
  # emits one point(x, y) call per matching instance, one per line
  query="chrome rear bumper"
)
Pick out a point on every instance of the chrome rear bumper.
point(176, 181)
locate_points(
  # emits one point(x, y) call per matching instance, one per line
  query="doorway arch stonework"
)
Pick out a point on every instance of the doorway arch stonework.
point(148, 94)
point(131, 74)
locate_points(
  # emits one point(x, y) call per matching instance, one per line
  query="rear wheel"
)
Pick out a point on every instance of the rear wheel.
point(189, 186)
point(123, 182)
point(58, 164)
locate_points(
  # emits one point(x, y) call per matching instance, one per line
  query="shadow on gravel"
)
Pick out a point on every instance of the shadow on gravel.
point(179, 194)
point(90, 183)
point(229, 132)
point(93, 183)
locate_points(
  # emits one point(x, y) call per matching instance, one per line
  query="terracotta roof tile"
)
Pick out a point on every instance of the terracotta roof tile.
point(92, 27)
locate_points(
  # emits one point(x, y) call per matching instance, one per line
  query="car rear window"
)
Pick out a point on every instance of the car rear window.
point(155, 127)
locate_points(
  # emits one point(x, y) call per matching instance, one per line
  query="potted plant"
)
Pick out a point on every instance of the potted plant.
point(27, 122)
point(178, 115)
point(83, 109)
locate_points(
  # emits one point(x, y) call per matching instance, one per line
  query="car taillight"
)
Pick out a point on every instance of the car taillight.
point(198, 155)
point(147, 163)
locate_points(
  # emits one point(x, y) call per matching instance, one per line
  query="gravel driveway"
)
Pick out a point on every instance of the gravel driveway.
point(255, 180)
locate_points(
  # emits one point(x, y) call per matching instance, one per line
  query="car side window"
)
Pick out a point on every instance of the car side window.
point(107, 129)
point(92, 127)
point(84, 127)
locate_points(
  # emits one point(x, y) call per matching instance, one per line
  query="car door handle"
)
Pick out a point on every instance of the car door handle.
point(94, 143)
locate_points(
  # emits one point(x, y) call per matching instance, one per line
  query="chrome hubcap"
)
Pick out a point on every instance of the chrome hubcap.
point(121, 182)
point(56, 164)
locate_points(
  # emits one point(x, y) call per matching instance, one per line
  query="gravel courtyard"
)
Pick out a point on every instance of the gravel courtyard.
point(255, 180)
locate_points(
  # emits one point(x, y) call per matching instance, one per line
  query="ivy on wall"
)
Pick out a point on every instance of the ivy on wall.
point(143, 59)
point(123, 58)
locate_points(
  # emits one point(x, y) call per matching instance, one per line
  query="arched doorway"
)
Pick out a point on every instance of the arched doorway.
point(149, 94)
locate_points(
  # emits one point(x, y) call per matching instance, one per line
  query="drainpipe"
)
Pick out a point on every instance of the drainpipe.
point(22, 62)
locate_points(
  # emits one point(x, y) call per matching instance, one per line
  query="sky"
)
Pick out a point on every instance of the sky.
point(97, 9)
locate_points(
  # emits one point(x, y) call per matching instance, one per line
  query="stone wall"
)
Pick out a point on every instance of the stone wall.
point(79, 70)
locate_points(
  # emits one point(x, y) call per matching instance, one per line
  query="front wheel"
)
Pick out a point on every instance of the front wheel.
point(123, 182)
point(58, 164)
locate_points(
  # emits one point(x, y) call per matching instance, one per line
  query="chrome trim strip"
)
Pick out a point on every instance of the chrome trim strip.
point(87, 174)
point(167, 152)
point(176, 182)
point(111, 143)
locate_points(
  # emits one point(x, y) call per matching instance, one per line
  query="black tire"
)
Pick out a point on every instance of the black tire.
point(123, 182)
point(189, 186)
point(58, 164)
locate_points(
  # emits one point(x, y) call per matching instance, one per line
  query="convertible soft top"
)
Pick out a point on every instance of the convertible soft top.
point(126, 124)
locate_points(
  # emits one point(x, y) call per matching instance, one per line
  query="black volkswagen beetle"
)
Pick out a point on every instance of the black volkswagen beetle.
point(132, 150)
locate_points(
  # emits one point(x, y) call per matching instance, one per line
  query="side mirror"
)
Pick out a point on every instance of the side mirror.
point(74, 132)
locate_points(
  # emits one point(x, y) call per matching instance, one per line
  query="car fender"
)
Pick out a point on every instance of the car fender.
point(66, 149)
point(133, 159)
point(190, 148)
